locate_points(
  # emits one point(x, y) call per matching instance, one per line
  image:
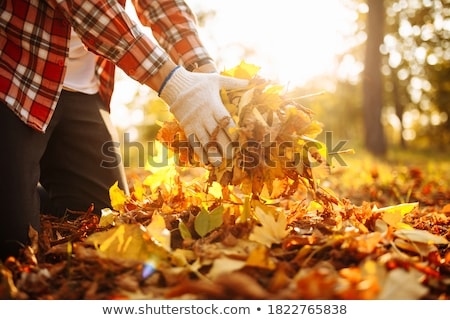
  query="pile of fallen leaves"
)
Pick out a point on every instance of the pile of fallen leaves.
point(266, 229)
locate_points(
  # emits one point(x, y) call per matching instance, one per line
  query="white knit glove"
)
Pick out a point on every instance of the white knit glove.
point(194, 99)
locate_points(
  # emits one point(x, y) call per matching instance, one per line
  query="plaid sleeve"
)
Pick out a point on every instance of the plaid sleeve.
point(174, 26)
point(33, 46)
point(106, 29)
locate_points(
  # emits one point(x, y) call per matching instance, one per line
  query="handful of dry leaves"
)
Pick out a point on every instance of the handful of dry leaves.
point(275, 148)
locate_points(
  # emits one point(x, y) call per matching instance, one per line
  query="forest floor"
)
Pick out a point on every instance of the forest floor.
point(382, 234)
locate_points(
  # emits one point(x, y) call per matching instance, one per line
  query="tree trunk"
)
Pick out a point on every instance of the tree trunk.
point(398, 105)
point(375, 140)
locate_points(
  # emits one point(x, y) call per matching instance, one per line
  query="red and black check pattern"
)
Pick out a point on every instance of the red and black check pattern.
point(34, 36)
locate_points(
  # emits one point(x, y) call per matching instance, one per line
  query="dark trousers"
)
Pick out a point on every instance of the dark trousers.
point(68, 161)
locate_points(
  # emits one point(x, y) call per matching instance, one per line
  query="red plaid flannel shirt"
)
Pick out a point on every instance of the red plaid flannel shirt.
point(34, 42)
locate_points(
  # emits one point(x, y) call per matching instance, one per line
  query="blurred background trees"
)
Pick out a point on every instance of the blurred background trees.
point(415, 78)
point(416, 51)
point(415, 55)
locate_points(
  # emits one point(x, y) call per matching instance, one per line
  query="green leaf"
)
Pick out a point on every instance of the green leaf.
point(205, 221)
point(216, 217)
point(184, 230)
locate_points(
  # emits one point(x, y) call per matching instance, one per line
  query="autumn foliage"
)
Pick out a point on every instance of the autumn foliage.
point(276, 150)
point(261, 226)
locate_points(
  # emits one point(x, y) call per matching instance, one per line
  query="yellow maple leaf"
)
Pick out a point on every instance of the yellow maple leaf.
point(118, 197)
point(138, 191)
point(272, 228)
point(260, 258)
point(243, 71)
point(161, 177)
point(215, 190)
point(158, 231)
point(393, 215)
point(127, 242)
point(108, 217)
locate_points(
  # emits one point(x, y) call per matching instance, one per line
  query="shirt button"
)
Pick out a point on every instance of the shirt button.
point(92, 41)
point(61, 63)
point(131, 72)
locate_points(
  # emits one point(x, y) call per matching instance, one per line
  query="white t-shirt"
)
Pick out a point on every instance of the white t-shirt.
point(80, 74)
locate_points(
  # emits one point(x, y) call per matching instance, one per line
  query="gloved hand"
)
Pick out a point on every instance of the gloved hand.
point(194, 99)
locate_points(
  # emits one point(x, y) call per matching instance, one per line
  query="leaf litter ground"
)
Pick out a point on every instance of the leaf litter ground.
point(271, 224)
